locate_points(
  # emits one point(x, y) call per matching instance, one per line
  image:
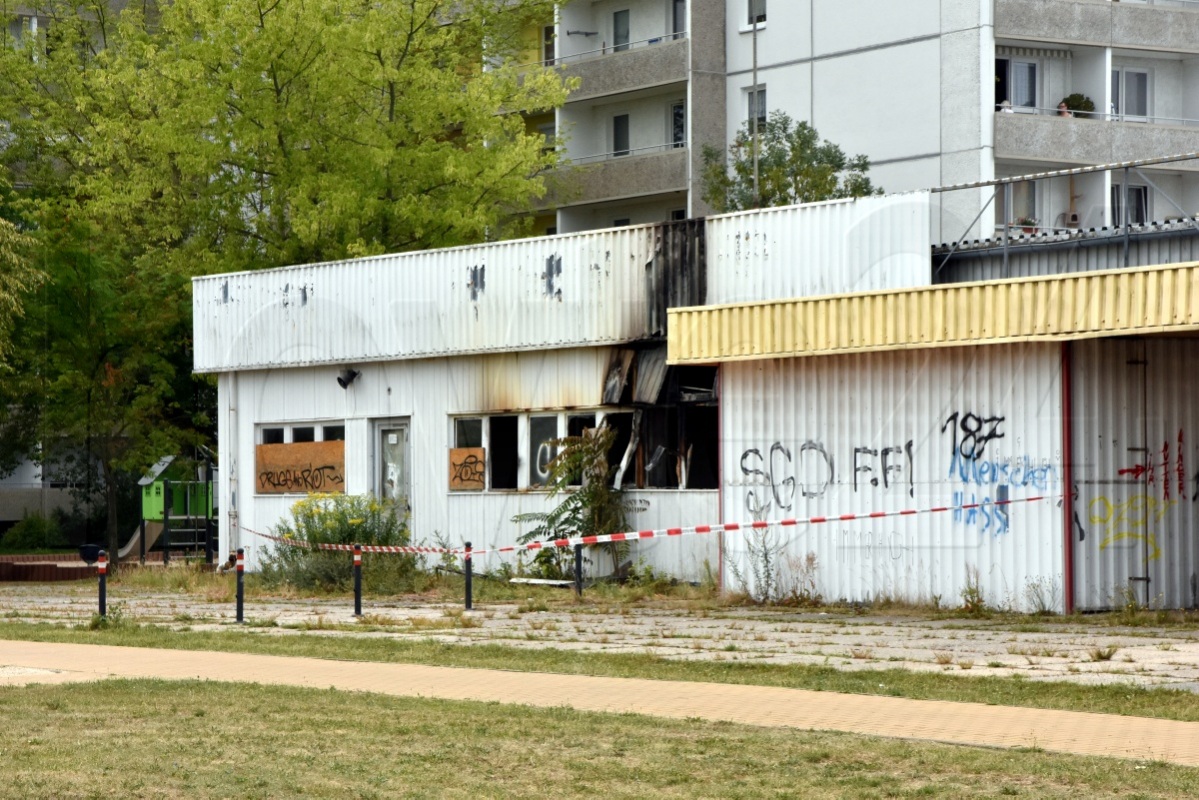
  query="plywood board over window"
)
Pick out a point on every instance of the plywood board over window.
point(300, 467)
point(466, 469)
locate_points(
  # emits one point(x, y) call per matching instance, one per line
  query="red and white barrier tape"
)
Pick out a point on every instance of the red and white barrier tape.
point(656, 533)
point(349, 548)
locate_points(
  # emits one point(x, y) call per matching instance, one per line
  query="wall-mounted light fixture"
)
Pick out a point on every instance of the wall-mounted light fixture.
point(346, 377)
point(582, 33)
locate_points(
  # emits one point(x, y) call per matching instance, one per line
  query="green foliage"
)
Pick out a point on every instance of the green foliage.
point(341, 519)
point(17, 277)
point(152, 144)
point(32, 533)
point(589, 505)
point(794, 166)
point(1079, 102)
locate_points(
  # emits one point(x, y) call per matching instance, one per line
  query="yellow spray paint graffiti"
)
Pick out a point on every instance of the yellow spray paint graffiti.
point(1128, 521)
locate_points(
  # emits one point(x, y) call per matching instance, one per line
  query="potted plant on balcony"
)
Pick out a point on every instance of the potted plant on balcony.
point(1079, 105)
point(1026, 224)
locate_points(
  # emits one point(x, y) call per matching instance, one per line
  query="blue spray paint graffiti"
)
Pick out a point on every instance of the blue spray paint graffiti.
point(970, 434)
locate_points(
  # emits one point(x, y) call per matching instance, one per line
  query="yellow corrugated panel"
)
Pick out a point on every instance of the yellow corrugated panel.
point(1059, 307)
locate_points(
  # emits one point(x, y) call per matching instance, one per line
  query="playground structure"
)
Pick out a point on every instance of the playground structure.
point(178, 514)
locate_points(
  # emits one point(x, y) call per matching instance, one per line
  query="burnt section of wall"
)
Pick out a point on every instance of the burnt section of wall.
point(676, 276)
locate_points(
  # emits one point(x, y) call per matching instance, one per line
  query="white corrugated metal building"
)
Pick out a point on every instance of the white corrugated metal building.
point(438, 376)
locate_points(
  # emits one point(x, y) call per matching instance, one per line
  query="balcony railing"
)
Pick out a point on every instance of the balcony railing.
point(635, 151)
point(1099, 116)
point(607, 49)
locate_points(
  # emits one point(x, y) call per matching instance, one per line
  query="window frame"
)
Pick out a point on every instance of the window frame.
point(617, 150)
point(755, 96)
point(1120, 93)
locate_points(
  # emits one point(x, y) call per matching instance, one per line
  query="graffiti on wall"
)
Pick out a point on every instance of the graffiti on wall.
point(986, 477)
point(780, 476)
point(1129, 521)
point(325, 478)
point(1166, 475)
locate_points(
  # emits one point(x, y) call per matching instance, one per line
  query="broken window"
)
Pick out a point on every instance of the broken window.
point(543, 431)
point(503, 458)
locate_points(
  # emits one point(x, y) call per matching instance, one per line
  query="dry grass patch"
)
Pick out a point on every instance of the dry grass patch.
point(58, 741)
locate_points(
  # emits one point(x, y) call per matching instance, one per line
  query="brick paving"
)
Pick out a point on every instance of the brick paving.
point(958, 723)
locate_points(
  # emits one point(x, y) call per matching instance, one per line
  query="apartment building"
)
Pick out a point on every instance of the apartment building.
point(923, 88)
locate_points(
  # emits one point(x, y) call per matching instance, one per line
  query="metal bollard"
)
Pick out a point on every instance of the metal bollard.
point(467, 569)
point(102, 566)
point(579, 570)
point(358, 580)
point(241, 585)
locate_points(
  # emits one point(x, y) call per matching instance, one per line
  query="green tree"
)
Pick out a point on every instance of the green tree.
point(17, 278)
point(150, 145)
point(794, 166)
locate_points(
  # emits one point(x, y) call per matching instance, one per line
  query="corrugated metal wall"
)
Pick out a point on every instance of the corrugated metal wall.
point(821, 248)
point(426, 394)
point(1081, 253)
point(1136, 472)
point(889, 431)
point(558, 291)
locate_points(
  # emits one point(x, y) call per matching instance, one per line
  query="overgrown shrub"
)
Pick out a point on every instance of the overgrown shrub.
point(34, 532)
point(589, 505)
point(341, 519)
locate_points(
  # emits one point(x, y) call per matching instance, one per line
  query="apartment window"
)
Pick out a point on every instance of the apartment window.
point(620, 135)
point(757, 11)
point(1130, 94)
point(272, 436)
point(1138, 204)
point(678, 214)
point(679, 19)
point(756, 105)
point(548, 137)
point(547, 44)
point(306, 433)
point(1024, 202)
point(333, 433)
point(620, 31)
point(1016, 83)
point(621, 222)
point(678, 124)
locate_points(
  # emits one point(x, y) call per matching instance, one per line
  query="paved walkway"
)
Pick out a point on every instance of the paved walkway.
point(934, 720)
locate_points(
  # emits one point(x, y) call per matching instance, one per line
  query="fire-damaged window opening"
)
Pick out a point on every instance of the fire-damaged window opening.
point(665, 419)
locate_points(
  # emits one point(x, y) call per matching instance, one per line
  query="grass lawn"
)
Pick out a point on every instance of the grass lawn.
point(1113, 699)
point(194, 739)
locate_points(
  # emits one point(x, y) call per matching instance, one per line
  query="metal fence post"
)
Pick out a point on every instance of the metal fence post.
point(467, 569)
point(358, 580)
point(102, 566)
point(579, 570)
point(241, 584)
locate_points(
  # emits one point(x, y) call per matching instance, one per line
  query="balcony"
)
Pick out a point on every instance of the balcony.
point(658, 61)
point(1157, 25)
point(643, 172)
point(1102, 139)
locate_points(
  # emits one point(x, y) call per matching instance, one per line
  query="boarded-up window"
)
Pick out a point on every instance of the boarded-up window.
point(467, 469)
point(300, 468)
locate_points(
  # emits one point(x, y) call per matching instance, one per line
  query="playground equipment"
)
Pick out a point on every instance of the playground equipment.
point(177, 510)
